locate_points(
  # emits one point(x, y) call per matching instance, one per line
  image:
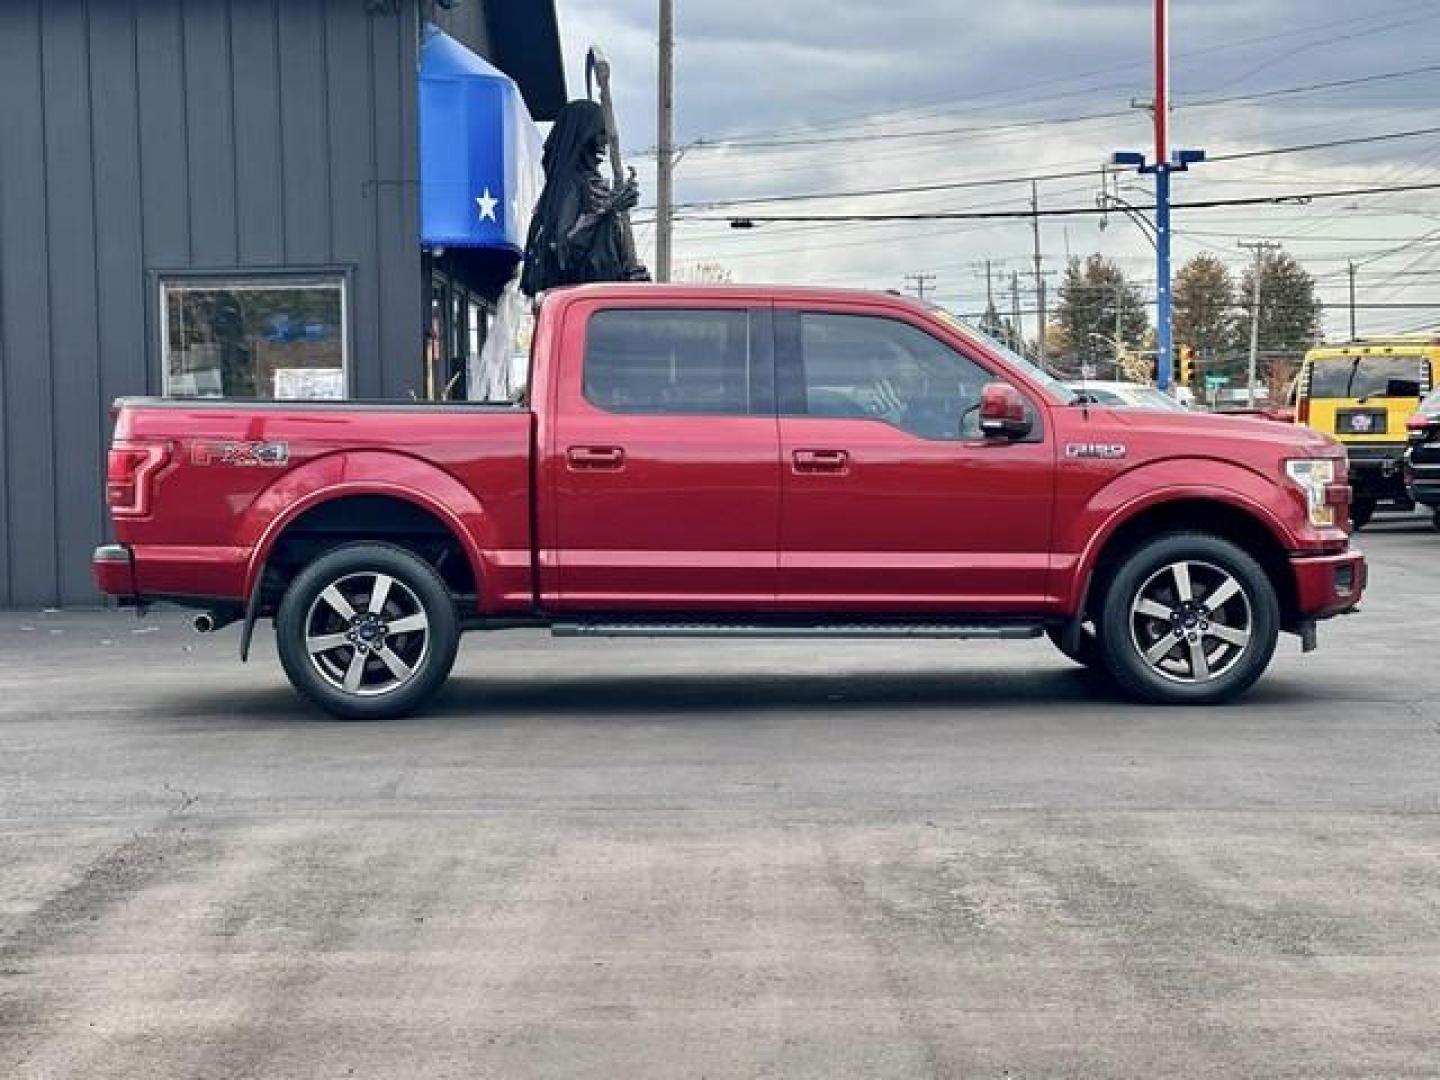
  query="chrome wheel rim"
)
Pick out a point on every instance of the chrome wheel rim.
point(367, 634)
point(1191, 622)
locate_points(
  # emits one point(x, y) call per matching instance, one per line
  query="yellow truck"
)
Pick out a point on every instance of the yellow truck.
point(1363, 392)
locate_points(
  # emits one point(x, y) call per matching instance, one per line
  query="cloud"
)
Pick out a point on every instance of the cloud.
point(804, 69)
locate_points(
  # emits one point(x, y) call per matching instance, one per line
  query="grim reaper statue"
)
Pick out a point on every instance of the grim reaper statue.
point(580, 230)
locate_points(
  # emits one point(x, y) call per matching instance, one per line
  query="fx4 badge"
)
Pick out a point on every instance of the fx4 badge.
point(1095, 450)
point(245, 455)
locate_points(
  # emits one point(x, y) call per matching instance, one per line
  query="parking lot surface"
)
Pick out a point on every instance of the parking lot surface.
point(702, 859)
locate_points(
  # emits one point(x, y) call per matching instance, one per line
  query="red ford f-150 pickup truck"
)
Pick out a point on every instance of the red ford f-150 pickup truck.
point(738, 461)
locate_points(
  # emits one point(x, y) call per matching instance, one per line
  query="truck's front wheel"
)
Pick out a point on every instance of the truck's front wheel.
point(367, 632)
point(1189, 619)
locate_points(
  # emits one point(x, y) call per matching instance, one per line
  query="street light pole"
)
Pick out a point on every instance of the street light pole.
point(1164, 313)
point(1164, 163)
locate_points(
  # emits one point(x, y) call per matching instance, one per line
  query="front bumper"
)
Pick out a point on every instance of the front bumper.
point(1424, 480)
point(1327, 585)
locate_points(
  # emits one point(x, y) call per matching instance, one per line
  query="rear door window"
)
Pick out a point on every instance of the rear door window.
point(671, 361)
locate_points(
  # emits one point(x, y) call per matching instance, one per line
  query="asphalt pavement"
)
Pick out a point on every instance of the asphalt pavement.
point(702, 859)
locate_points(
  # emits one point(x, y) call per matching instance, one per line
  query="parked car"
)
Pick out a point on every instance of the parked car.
point(735, 462)
point(1125, 395)
point(1363, 392)
point(1422, 458)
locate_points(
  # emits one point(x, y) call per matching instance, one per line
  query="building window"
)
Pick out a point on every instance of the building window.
point(260, 338)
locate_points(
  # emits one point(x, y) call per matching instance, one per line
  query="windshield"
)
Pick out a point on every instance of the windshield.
point(1054, 385)
point(1363, 376)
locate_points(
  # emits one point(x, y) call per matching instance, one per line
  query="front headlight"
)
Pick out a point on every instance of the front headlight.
point(1313, 476)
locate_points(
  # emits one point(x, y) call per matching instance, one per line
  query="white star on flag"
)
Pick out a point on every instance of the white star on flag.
point(487, 204)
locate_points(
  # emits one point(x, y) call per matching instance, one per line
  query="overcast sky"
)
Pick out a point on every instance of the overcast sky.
point(1023, 80)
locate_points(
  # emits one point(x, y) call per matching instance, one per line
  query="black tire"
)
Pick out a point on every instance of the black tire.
point(1361, 511)
point(1435, 519)
point(1087, 654)
point(1145, 605)
point(414, 597)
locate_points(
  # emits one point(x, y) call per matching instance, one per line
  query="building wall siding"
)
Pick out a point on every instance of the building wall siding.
point(141, 137)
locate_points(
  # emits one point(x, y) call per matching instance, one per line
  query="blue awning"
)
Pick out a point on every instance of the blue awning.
point(480, 171)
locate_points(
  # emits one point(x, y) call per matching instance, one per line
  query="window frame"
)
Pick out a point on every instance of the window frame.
point(258, 279)
point(790, 388)
point(1419, 359)
point(759, 358)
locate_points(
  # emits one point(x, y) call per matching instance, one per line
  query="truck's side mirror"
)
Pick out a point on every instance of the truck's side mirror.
point(1003, 414)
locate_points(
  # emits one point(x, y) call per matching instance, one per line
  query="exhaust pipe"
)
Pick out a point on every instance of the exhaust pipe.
point(204, 623)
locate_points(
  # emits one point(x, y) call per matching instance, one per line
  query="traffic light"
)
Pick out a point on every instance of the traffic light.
point(1186, 371)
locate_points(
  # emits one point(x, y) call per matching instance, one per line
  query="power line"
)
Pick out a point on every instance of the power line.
point(999, 181)
point(1301, 198)
point(1017, 125)
point(1328, 145)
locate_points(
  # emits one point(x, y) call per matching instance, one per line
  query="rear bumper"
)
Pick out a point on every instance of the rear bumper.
point(114, 569)
point(1328, 585)
point(135, 573)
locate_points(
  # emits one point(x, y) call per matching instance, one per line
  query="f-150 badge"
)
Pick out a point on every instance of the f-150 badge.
point(244, 455)
point(1095, 450)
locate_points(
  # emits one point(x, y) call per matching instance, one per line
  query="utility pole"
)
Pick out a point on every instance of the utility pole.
point(1119, 327)
point(1039, 274)
point(922, 283)
point(1017, 339)
point(989, 288)
point(1351, 266)
point(665, 143)
point(1261, 248)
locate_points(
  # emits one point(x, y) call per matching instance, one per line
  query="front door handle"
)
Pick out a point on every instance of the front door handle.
point(595, 457)
point(820, 461)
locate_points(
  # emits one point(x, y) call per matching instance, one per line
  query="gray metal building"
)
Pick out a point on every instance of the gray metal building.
point(173, 164)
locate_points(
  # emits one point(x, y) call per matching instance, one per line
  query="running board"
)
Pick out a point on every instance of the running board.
point(1009, 631)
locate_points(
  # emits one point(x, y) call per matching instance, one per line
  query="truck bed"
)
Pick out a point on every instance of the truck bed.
point(235, 473)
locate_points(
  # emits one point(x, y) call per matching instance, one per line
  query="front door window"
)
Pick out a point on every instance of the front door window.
point(867, 368)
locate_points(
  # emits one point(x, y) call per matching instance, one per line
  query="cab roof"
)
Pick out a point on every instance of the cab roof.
point(748, 291)
point(1377, 346)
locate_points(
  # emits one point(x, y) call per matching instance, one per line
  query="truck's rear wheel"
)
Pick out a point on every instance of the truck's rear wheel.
point(1189, 619)
point(367, 632)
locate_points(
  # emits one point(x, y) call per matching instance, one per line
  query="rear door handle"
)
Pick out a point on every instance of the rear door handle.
point(820, 461)
point(595, 457)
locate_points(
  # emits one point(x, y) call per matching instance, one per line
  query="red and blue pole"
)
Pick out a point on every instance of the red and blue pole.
point(1164, 309)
